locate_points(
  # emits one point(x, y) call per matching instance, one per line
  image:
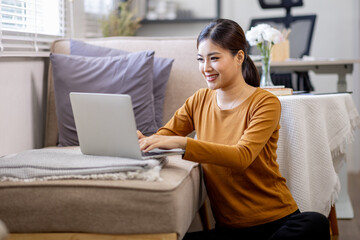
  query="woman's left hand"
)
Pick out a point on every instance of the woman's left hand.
point(164, 142)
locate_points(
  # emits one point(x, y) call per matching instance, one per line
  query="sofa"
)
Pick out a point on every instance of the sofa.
point(113, 209)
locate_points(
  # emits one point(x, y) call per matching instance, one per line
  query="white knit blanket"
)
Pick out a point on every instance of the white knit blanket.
point(315, 130)
point(49, 164)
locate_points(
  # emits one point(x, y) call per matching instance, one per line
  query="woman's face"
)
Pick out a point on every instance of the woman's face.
point(218, 66)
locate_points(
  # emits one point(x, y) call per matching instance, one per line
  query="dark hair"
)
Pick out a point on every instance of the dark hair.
point(229, 35)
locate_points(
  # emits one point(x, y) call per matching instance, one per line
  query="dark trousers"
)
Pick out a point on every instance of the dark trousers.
point(307, 226)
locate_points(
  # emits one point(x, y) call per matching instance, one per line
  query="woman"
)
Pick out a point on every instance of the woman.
point(237, 126)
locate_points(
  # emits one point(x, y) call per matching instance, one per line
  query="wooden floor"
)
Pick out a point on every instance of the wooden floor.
point(350, 229)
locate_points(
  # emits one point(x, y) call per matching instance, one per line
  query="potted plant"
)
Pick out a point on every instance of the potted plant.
point(122, 21)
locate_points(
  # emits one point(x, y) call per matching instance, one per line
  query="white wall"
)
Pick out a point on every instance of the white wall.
point(336, 35)
point(22, 103)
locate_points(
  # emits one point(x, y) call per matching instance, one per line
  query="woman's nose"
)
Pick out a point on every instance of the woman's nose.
point(207, 66)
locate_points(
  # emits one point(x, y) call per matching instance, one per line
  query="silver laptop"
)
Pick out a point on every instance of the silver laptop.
point(106, 126)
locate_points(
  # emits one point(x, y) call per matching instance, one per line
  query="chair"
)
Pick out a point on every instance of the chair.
point(287, 4)
point(302, 28)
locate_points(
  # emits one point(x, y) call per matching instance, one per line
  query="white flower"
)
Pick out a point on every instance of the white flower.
point(254, 35)
point(261, 33)
point(272, 35)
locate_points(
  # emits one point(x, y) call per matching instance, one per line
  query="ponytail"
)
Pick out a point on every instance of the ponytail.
point(250, 72)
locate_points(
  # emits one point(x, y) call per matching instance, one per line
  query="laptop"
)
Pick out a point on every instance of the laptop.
point(106, 126)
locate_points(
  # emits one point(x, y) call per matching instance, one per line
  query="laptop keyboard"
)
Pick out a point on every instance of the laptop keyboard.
point(149, 154)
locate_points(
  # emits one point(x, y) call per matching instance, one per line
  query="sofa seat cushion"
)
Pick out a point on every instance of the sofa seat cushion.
point(105, 206)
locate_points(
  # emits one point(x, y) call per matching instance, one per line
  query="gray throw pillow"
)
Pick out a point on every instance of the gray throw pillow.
point(162, 68)
point(127, 74)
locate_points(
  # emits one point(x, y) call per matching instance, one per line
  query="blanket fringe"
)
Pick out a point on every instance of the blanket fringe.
point(348, 137)
point(334, 196)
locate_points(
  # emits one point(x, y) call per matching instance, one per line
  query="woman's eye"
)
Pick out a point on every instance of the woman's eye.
point(214, 58)
point(200, 59)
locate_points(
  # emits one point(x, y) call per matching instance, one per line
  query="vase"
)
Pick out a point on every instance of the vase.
point(265, 80)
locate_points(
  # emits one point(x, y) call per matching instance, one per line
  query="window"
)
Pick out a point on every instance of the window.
point(27, 27)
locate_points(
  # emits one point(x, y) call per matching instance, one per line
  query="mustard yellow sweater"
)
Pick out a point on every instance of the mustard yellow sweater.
point(237, 149)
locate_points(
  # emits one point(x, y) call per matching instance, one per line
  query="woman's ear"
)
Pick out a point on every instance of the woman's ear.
point(240, 56)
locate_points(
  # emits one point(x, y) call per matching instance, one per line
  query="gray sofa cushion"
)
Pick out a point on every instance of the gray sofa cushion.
point(127, 74)
point(162, 68)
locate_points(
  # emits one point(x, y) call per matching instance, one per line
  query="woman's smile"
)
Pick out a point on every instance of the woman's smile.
point(211, 77)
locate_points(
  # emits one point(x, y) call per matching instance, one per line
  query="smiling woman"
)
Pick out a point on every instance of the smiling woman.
point(237, 127)
point(29, 27)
